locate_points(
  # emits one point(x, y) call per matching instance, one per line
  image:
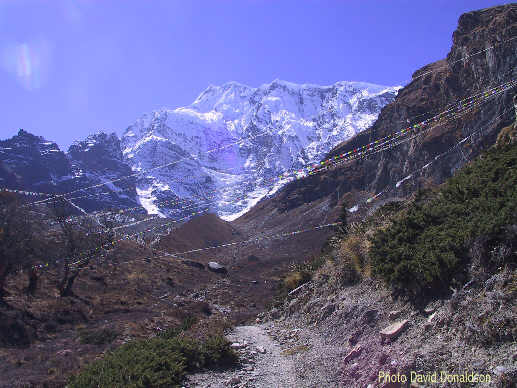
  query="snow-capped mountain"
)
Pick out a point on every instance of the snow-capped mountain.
point(32, 163)
point(226, 150)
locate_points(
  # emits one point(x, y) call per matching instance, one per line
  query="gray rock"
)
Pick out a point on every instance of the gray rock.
point(275, 313)
point(394, 314)
point(216, 267)
point(356, 351)
point(393, 330)
point(500, 370)
point(261, 349)
point(234, 380)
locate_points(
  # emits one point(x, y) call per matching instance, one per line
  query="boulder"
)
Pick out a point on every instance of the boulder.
point(216, 267)
point(392, 331)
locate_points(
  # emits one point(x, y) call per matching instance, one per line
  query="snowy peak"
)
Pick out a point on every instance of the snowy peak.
point(284, 126)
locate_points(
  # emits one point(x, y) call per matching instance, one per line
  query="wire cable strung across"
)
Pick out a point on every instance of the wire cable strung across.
point(251, 137)
point(368, 149)
point(424, 167)
point(463, 107)
point(351, 210)
point(466, 105)
point(287, 234)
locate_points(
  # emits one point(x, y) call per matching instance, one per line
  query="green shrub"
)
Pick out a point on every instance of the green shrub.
point(426, 250)
point(97, 337)
point(173, 332)
point(155, 363)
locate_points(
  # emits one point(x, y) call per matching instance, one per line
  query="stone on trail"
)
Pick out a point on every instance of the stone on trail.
point(356, 351)
point(393, 330)
point(261, 349)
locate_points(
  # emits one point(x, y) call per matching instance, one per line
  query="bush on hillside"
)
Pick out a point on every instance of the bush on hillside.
point(155, 363)
point(97, 337)
point(426, 251)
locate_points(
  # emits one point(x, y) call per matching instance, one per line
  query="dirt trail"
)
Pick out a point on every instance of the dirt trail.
point(262, 363)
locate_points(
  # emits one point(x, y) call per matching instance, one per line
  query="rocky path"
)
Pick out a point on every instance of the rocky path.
point(262, 363)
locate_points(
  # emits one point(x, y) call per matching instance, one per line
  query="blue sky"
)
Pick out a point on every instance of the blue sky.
point(71, 67)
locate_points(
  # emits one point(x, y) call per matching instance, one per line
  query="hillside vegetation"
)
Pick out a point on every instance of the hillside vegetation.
point(435, 242)
point(427, 248)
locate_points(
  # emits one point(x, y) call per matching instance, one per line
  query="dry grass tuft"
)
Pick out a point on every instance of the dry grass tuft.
point(295, 350)
point(296, 279)
point(354, 250)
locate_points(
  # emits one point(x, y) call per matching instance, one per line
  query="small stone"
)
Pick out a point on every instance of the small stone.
point(261, 349)
point(236, 345)
point(354, 338)
point(234, 380)
point(429, 310)
point(249, 368)
point(394, 314)
point(514, 357)
point(500, 370)
point(431, 317)
point(257, 320)
point(393, 330)
point(216, 267)
point(353, 353)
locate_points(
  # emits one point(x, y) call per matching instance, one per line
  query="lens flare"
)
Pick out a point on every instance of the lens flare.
point(29, 62)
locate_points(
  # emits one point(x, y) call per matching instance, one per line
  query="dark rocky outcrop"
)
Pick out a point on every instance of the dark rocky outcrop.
point(31, 163)
point(14, 331)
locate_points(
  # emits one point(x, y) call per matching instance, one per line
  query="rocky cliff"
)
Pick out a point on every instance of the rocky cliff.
point(32, 163)
point(483, 55)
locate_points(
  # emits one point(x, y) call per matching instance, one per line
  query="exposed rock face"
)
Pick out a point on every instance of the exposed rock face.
point(32, 163)
point(433, 87)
